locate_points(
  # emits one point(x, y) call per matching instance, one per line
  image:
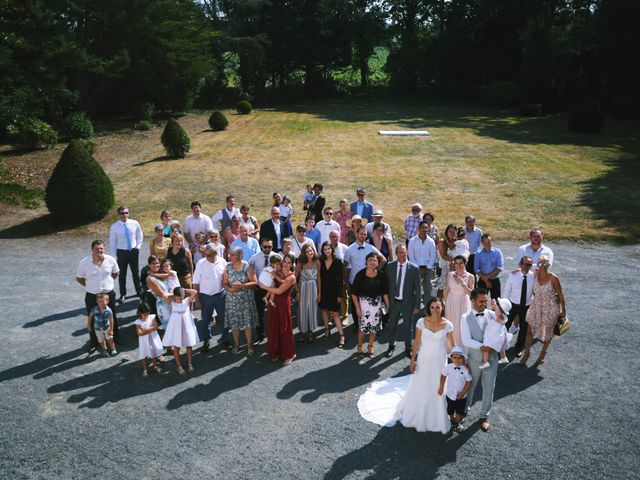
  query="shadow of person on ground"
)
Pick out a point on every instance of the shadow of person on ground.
point(55, 317)
point(124, 380)
point(337, 378)
point(45, 366)
point(236, 377)
point(401, 453)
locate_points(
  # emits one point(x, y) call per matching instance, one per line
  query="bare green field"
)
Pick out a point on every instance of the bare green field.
point(512, 173)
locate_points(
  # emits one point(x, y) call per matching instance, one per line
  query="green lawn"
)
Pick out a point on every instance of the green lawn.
point(512, 173)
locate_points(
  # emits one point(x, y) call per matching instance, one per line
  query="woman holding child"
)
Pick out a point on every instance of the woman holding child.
point(239, 305)
point(280, 333)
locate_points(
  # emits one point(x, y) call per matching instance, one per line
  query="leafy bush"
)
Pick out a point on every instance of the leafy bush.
point(78, 181)
point(531, 109)
point(145, 110)
point(217, 121)
point(504, 94)
point(587, 117)
point(31, 133)
point(78, 125)
point(142, 125)
point(243, 107)
point(175, 139)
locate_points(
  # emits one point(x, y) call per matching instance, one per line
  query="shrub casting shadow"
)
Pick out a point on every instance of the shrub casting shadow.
point(36, 227)
point(399, 452)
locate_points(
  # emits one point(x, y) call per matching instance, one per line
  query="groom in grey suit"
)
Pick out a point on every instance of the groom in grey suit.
point(403, 279)
point(472, 327)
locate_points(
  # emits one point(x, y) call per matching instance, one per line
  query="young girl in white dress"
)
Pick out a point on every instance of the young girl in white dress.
point(462, 245)
point(149, 343)
point(496, 335)
point(181, 330)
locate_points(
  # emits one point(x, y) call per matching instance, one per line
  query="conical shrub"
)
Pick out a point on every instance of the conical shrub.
point(217, 121)
point(175, 140)
point(78, 189)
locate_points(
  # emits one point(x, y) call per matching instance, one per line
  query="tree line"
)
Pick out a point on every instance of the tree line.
point(107, 58)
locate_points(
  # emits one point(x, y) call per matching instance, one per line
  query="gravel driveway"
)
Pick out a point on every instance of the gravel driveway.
point(64, 415)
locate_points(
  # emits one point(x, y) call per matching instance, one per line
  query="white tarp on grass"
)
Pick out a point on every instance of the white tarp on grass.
point(404, 133)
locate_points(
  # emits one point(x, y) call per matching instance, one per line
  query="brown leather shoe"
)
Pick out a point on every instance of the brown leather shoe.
point(484, 424)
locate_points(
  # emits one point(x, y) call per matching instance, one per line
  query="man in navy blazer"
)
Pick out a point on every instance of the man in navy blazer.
point(361, 206)
point(403, 279)
point(273, 229)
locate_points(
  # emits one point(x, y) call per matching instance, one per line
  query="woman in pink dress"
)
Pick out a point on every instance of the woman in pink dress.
point(546, 308)
point(280, 334)
point(457, 293)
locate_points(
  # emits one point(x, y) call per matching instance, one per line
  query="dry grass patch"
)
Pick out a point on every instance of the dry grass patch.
point(511, 173)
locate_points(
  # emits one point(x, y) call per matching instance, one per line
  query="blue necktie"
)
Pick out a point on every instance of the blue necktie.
point(127, 234)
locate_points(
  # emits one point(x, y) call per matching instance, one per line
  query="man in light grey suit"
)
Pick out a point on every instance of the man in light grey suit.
point(403, 279)
point(472, 327)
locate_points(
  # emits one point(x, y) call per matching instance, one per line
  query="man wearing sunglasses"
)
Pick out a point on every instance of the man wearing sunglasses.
point(125, 239)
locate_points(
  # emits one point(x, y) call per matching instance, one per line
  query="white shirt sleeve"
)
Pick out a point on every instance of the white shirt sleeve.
point(139, 236)
point(508, 287)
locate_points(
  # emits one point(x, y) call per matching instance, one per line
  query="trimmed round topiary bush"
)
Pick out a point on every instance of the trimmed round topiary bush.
point(217, 121)
point(243, 107)
point(31, 133)
point(504, 94)
point(80, 183)
point(175, 139)
point(78, 125)
point(587, 117)
point(531, 109)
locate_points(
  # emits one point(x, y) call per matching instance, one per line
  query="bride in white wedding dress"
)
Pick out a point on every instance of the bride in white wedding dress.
point(413, 399)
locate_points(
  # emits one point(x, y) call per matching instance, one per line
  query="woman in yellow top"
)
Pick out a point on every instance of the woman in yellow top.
point(159, 244)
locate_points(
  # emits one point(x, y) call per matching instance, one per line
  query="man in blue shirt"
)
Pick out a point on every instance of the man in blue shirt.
point(488, 263)
point(312, 233)
point(361, 206)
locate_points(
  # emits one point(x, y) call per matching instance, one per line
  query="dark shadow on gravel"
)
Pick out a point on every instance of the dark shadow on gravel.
point(124, 379)
point(338, 378)
point(44, 366)
point(401, 453)
point(55, 317)
point(36, 227)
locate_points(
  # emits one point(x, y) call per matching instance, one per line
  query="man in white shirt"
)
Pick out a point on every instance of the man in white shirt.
point(377, 218)
point(259, 261)
point(534, 249)
point(96, 273)
point(248, 244)
point(207, 280)
point(125, 240)
point(326, 225)
point(355, 259)
point(519, 290)
point(224, 216)
point(472, 327)
point(422, 252)
point(196, 222)
point(300, 240)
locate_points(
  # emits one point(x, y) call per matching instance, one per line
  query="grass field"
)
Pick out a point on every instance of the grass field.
point(511, 172)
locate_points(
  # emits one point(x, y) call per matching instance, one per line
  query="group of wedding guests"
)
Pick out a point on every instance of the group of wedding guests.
point(236, 271)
